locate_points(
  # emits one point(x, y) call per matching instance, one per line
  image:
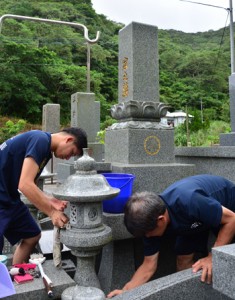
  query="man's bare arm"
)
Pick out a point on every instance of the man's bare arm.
point(225, 236)
point(28, 187)
point(141, 276)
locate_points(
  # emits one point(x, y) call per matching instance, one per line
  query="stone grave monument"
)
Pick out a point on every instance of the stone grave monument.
point(138, 143)
point(51, 117)
point(85, 113)
point(50, 123)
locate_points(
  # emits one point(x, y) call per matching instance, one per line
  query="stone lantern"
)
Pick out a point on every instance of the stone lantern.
point(86, 234)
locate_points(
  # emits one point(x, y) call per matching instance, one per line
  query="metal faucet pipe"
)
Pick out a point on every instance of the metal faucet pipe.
point(77, 25)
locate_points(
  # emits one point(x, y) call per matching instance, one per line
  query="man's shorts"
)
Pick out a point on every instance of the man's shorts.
point(17, 223)
point(189, 244)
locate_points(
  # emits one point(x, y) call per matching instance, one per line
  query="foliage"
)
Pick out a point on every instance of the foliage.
point(194, 70)
point(206, 136)
point(10, 129)
point(45, 63)
point(180, 135)
point(101, 137)
point(101, 134)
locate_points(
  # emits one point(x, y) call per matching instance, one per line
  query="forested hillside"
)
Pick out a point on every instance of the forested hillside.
point(43, 63)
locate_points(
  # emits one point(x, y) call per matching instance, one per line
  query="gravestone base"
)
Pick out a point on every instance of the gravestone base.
point(154, 177)
point(64, 170)
point(227, 139)
point(139, 146)
point(96, 151)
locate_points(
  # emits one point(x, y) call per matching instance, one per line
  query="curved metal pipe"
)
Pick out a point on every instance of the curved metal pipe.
point(52, 22)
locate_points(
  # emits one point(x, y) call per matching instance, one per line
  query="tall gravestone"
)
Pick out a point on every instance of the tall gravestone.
point(85, 113)
point(51, 123)
point(138, 143)
point(51, 117)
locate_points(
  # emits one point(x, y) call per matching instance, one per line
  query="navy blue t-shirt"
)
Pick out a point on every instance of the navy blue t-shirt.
point(194, 205)
point(35, 144)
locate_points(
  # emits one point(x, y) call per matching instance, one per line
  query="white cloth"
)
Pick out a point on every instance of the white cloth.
point(57, 246)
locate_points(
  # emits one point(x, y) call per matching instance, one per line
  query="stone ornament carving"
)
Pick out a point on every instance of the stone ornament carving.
point(152, 145)
point(73, 214)
point(135, 111)
point(93, 214)
point(139, 125)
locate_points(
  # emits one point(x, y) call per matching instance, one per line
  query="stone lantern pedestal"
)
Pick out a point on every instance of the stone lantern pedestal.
point(85, 234)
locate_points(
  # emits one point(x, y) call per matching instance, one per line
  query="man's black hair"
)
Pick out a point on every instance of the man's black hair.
point(80, 136)
point(142, 211)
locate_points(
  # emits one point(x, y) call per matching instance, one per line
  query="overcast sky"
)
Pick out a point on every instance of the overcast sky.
point(167, 14)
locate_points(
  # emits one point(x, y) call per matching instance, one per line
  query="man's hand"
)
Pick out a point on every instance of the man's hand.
point(58, 204)
point(58, 218)
point(114, 293)
point(141, 276)
point(204, 264)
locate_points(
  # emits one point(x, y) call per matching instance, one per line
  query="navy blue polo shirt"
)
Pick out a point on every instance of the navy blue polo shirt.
point(194, 205)
point(35, 144)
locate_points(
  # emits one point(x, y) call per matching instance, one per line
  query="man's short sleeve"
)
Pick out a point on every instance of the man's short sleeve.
point(151, 245)
point(38, 147)
point(206, 209)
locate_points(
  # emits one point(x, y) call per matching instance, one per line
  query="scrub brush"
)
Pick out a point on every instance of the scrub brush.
point(38, 259)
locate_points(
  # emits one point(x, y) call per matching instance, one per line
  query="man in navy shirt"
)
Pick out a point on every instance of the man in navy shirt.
point(22, 159)
point(189, 209)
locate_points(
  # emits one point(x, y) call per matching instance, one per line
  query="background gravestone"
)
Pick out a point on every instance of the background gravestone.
point(51, 117)
point(51, 123)
point(85, 113)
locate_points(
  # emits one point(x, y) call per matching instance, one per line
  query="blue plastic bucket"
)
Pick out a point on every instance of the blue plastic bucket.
point(125, 183)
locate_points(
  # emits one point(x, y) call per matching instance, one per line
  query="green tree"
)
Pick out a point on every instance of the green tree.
point(44, 63)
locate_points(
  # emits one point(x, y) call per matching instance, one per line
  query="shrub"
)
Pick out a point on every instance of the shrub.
point(10, 129)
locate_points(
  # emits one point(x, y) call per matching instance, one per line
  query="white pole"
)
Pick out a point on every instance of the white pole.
point(88, 89)
point(231, 36)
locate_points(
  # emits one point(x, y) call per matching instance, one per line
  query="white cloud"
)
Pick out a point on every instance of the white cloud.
point(167, 14)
